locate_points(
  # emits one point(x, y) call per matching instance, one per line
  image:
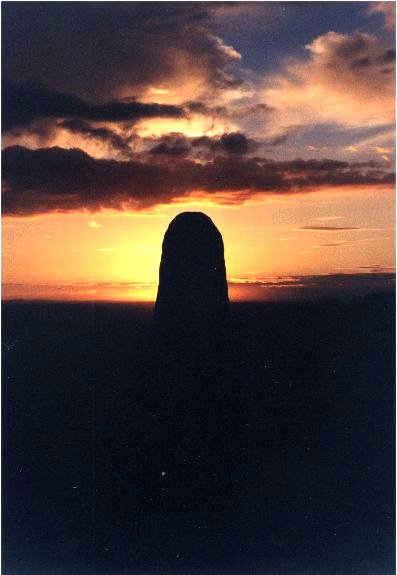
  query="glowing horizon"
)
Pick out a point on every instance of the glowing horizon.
point(291, 153)
point(112, 257)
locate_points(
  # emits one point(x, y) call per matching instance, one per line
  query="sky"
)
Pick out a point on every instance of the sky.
point(276, 119)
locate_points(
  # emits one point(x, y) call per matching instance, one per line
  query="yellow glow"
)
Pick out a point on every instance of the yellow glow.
point(193, 127)
point(188, 82)
point(261, 238)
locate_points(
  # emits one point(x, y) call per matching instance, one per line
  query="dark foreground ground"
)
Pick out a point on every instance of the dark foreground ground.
point(268, 450)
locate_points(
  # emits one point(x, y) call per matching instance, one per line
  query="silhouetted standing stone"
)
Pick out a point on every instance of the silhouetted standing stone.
point(192, 288)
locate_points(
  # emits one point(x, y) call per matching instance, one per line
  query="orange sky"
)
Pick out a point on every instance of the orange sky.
point(115, 256)
point(275, 119)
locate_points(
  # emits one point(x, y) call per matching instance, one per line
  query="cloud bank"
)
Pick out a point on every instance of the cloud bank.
point(56, 179)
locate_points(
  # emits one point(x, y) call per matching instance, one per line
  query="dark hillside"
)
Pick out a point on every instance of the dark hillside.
point(266, 448)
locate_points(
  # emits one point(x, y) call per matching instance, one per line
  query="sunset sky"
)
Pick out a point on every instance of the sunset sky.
point(274, 118)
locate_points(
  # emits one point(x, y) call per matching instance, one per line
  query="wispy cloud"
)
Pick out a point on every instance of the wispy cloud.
point(329, 218)
point(327, 228)
point(387, 10)
point(312, 287)
point(377, 268)
point(333, 245)
point(261, 287)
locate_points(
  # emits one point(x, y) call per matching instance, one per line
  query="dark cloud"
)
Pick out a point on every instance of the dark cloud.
point(277, 140)
point(227, 112)
point(326, 228)
point(117, 142)
point(57, 179)
point(97, 49)
point(257, 108)
point(22, 104)
point(234, 143)
point(388, 56)
point(177, 144)
point(45, 180)
point(282, 137)
point(172, 145)
point(359, 50)
point(206, 110)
